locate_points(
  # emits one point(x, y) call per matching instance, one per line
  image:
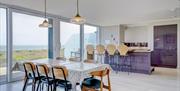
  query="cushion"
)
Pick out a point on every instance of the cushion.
point(91, 83)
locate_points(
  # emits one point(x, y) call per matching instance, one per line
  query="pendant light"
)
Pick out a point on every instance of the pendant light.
point(77, 19)
point(45, 23)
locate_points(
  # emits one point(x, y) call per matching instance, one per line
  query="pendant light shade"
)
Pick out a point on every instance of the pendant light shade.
point(77, 19)
point(45, 23)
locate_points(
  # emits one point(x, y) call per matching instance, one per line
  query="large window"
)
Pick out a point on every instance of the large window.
point(90, 36)
point(3, 45)
point(29, 41)
point(70, 39)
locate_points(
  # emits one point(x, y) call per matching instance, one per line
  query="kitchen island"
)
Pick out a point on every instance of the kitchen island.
point(140, 61)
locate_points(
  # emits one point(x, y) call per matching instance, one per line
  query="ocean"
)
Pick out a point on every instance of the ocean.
point(29, 47)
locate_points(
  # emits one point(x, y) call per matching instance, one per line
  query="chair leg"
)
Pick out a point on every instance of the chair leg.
point(33, 85)
point(117, 64)
point(102, 59)
point(38, 86)
point(48, 88)
point(65, 89)
point(54, 87)
point(25, 84)
point(42, 87)
point(51, 88)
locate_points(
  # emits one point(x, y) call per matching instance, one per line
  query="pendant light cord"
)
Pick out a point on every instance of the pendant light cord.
point(78, 7)
point(45, 8)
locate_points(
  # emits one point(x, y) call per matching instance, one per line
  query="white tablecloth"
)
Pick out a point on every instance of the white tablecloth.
point(77, 71)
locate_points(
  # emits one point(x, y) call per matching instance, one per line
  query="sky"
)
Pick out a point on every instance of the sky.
point(27, 32)
point(69, 29)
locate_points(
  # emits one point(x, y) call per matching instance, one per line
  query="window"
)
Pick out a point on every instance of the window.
point(29, 41)
point(70, 39)
point(90, 36)
point(3, 45)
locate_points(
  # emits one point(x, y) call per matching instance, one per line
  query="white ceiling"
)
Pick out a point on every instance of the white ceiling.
point(107, 12)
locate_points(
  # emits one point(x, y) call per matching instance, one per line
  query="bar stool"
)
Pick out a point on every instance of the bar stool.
point(123, 50)
point(90, 52)
point(111, 49)
point(100, 52)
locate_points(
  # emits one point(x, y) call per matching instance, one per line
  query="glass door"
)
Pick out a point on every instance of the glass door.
point(3, 40)
point(30, 42)
point(70, 39)
point(90, 37)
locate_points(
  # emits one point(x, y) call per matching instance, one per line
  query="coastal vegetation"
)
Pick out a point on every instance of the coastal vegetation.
point(23, 55)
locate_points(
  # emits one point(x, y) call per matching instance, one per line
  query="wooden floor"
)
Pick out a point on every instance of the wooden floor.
point(162, 79)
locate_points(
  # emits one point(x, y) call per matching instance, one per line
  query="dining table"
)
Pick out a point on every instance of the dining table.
point(77, 71)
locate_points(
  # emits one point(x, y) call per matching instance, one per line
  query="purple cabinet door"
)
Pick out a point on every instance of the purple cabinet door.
point(165, 46)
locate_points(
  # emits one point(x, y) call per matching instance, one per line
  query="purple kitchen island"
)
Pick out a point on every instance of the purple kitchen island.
point(140, 62)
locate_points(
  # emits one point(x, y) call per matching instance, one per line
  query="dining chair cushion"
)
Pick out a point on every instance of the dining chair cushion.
point(92, 83)
point(45, 80)
point(62, 83)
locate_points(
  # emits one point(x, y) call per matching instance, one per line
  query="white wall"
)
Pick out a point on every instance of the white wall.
point(136, 34)
point(108, 33)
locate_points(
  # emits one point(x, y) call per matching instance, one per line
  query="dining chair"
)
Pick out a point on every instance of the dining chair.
point(43, 70)
point(111, 50)
point(75, 59)
point(100, 49)
point(123, 62)
point(61, 58)
point(90, 51)
point(60, 74)
point(94, 84)
point(30, 74)
point(89, 61)
point(62, 52)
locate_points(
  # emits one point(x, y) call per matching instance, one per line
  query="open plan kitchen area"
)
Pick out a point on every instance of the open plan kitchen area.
point(89, 45)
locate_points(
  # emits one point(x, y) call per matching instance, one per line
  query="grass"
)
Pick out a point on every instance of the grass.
point(22, 55)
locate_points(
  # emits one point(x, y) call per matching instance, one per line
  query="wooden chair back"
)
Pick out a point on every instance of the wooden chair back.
point(43, 70)
point(59, 72)
point(90, 49)
point(100, 49)
point(111, 49)
point(62, 53)
point(29, 69)
point(123, 50)
point(101, 74)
